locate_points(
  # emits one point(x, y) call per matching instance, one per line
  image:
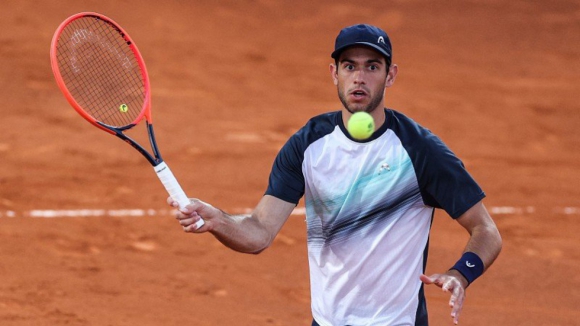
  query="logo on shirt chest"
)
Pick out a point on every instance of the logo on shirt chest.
point(385, 167)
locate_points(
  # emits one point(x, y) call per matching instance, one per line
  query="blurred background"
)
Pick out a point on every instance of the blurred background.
point(231, 81)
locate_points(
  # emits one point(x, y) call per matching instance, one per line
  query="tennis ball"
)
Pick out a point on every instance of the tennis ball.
point(361, 125)
point(123, 108)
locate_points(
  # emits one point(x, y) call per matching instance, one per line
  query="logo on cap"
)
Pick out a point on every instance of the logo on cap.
point(362, 34)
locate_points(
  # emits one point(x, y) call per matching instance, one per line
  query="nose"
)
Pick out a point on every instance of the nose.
point(359, 77)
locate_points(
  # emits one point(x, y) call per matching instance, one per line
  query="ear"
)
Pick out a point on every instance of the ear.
point(334, 73)
point(392, 75)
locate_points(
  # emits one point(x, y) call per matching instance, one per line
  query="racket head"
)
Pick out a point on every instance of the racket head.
point(101, 72)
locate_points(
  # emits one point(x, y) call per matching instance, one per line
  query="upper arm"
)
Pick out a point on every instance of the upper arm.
point(476, 216)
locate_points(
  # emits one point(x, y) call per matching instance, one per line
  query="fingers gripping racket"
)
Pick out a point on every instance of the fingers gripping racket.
point(101, 73)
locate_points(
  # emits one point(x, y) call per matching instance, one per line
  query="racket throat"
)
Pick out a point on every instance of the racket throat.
point(154, 159)
point(153, 143)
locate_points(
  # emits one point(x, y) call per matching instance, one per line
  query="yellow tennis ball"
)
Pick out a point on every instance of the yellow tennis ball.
point(361, 125)
point(123, 108)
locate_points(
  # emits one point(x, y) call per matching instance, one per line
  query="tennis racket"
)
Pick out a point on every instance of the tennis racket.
point(101, 73)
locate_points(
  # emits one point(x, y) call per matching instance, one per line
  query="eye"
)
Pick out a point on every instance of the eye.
point(374, 67)
point(349, 67)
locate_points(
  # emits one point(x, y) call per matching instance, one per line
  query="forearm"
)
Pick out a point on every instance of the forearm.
point(485, 241)
point(249, 233)
point(242, 233)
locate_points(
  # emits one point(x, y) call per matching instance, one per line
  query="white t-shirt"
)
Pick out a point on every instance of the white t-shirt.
point(369, 208)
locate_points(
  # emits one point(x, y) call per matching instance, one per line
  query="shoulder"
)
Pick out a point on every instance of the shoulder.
point(316, 128)
point(402, 124)
point(286, 178)
point(443, 179)
point(322, 124)
point(413, 136)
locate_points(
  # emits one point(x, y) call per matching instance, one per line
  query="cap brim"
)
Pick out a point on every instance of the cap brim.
point(382, 51)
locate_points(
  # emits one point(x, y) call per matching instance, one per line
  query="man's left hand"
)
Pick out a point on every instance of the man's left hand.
point(452, 281)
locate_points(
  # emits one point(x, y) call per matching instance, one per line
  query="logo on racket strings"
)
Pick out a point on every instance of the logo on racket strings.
point(123, 108)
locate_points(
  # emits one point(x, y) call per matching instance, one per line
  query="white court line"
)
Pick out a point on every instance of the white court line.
point(503, 210)
point(300, 211)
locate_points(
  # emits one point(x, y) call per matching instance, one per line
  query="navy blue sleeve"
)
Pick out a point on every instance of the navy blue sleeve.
point(442, 177)
point(286, 178)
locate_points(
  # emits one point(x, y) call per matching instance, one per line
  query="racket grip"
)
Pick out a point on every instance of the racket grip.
point(173, 188)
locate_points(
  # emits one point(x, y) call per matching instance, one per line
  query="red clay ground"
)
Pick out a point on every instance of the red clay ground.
point(497, 80)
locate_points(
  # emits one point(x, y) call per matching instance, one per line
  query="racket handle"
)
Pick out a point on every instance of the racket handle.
point(173, 188)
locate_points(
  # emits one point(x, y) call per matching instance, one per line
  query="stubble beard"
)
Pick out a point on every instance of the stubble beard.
point(352, 108)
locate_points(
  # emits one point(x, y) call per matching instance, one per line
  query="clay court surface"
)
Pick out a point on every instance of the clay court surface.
point(497, 80)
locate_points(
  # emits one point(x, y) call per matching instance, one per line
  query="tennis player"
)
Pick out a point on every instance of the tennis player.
point(369, 204)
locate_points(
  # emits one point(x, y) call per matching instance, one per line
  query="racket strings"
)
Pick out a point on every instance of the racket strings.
point(101, 71)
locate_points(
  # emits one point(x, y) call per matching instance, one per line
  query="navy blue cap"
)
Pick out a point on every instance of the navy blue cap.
point(363, 34)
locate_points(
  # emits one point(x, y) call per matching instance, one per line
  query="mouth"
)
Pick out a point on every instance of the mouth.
point(358, 94)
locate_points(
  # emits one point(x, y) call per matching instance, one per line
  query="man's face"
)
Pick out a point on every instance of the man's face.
point(361, 78)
